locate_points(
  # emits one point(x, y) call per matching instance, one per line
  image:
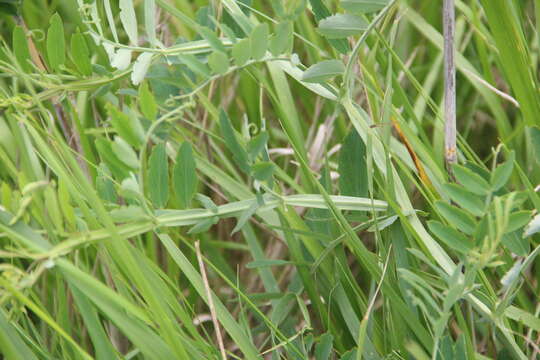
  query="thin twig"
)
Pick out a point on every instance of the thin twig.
point(210, 301)
point(449, 20)
point(492, 88)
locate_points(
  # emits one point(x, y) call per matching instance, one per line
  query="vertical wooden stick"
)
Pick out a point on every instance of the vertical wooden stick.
point(449, 23)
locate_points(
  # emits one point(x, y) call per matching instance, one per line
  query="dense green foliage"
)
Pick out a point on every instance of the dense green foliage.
point(248, 179)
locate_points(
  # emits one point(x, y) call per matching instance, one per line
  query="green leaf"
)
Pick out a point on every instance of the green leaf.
point(518, 220)
point(102, 345)
point(323, 71)
point(465, 199)
point(150, 20)
point(516, 244)
point(104, 184)
point(205, 16)
point(239, 154)
point(529, 320)
point(533, 227)
point(117, 166)
point(256, 145)
point(22, 233)
point(229, 32)
point(207, 203)
point(110, 19)
point(129, 20)
point(121, 59)
point(446, 349)
point(321, 11)
point(456, 289)
point(56, 46)
point(10, 7)
point(470, 180)
point(147, 102)
point(158, 176)
point(194, 64)
point(128, 213)
point(267, 263)
point(12, 345)
point(64, 199)
point(451, 237)
point(125, 153)
point(218, 62)
point(381, 225)
point(535, 142)
point(140, 68)
point(513, 55)
point(282, 41)
point(353, 177)
point(502, 173)
point(129, 129)
point(323, 349)
point(263, 171)
point(212, 39)
point(185, 176)
point(241, 51)
point(259, 41)
point(479, 170)
point(20, 49)
point(363, 6)
point(461, 348)
point(457, 217)
point(245, 216)
point(125, 315)
point(236, 332)
point(81, 54)
point(341, 26)
point(203, 225)
point(350, 355)
point(129, 189)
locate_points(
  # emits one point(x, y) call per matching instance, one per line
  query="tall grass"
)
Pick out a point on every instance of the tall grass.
point(267, 180)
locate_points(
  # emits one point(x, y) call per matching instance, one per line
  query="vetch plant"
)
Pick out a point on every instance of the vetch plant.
point(270, 177)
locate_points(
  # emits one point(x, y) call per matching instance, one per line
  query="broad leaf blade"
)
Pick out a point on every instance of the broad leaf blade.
point(363, 6)
point(353, 177)
point(465, 199)
point(259, 41)
point(56, 46)
point(81, 54)
point(149, 20)
point(458, 217)
point(232, 143)
point(502, 173)
point(129, 129)
point(158, 176)
point(241, 51)
point(140, 68)
point(451, 237)
point(20, 48)
point(147, 102)
point(341, 26)
point(129, 20)
point(321, 11)
point(218, 62)
point(322, 71)
point(470, 180)
point(185, 176)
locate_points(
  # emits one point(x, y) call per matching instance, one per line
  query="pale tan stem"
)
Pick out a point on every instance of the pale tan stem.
point(449, 21)
point(210, 301)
